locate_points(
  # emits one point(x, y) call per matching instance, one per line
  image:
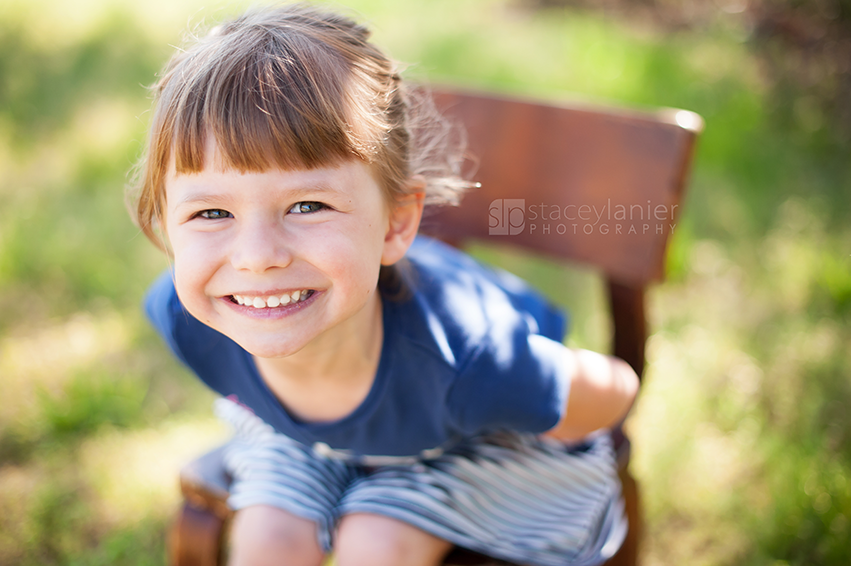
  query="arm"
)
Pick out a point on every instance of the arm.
point(602, 390)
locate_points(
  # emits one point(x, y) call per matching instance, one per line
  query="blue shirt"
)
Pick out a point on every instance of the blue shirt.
point(469, 350)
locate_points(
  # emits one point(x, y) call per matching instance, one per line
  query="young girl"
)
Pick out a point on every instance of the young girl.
point(391, 397)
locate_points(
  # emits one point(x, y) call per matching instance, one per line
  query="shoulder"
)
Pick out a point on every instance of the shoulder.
point(472, 298)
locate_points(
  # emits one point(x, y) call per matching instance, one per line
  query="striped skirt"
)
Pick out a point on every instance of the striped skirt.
point(510, 496)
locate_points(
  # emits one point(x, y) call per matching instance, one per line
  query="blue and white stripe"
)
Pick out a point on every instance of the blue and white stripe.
point(513, 497)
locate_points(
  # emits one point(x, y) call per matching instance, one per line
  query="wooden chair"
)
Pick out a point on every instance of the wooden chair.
point(597, 186)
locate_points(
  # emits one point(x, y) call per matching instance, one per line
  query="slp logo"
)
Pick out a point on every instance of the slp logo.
point(507, 217)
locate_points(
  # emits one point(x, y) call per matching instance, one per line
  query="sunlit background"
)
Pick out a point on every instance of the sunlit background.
point(741, 435)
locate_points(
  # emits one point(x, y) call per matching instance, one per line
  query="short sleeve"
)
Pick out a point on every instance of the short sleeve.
point(520, 385)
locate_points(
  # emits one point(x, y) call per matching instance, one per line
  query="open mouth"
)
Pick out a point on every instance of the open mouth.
point(272, 301)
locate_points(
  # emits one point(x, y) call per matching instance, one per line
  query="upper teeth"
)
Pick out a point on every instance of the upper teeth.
point(271, 301)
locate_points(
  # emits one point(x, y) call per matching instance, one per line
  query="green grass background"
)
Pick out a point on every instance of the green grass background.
point(741, 435)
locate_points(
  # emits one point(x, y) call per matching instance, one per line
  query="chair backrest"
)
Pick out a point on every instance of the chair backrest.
point(597, 186)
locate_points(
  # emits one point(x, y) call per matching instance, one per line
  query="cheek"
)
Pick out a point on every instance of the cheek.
point(191, 287)
point(194, 249)
point(192, 272)
point(186, 287)
point(353, 255)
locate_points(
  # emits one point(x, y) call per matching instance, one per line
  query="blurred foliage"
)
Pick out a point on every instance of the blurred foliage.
point(741, 436)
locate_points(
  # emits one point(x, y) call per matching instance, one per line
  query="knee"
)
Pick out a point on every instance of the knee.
point(372, 540)
point(267, 536)
point(372, 551)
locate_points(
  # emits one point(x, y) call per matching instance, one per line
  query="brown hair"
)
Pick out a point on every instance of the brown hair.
point(291, 87)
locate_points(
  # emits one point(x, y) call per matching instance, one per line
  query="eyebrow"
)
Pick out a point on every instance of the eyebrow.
point(201, 196)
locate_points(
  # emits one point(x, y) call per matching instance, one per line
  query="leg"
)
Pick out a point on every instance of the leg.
point(375, 540)
point(268, 536)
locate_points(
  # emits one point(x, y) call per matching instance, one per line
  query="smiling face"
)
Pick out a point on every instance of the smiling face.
point(300, 249)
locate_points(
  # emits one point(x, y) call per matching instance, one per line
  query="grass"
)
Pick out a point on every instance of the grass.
point(741, 434)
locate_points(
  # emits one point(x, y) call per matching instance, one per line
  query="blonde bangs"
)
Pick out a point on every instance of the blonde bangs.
point(266, 106)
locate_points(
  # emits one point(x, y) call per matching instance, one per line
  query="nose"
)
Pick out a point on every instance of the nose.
point(259, 246)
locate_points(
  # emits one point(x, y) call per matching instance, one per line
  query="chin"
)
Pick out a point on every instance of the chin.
point(267, 347)
point(270, 351)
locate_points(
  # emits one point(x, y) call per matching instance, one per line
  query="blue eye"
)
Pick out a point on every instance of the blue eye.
point(307, 207)
point(215, 214)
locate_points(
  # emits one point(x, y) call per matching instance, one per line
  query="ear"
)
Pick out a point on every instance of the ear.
point(405, 215)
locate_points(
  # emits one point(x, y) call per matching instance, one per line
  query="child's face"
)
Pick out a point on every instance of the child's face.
point(302, 249)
